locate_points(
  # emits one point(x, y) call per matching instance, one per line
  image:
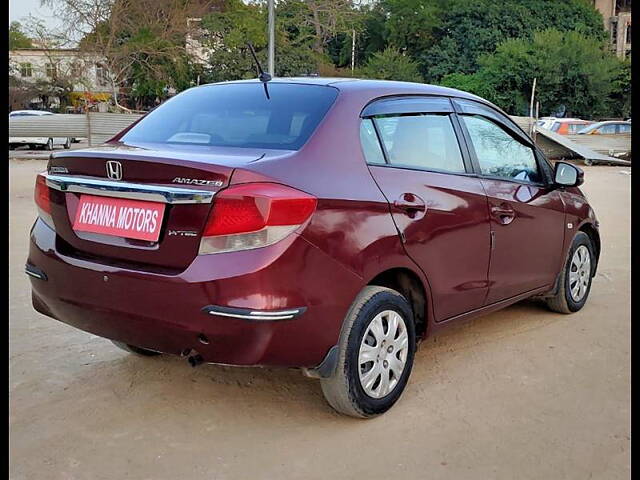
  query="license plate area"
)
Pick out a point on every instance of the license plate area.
point(119, 217)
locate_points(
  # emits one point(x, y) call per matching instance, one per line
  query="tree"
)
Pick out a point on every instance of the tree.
point(620, 98)
point(140, 44)
point(411, 24)
point(573, 71)
point(61, 76)
point(471, 29)
point(17, 38)
point(324, 19)
point(391, 65)
point(230, 29)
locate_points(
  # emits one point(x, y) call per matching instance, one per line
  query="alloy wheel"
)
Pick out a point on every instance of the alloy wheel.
point(580, 273)
point(383, 354)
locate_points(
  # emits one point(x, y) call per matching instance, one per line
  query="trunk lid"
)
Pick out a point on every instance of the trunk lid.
point(205, 169)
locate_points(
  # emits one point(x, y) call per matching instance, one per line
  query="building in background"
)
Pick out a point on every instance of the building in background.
point(617, 21)
point(48, 70)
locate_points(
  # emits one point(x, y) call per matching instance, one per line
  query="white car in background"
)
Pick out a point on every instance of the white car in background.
point(47, 142)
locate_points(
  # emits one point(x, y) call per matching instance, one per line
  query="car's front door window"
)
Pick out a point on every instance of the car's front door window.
point(498, 153)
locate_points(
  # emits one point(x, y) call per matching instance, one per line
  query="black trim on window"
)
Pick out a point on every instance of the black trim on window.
point(467, 158)
point(407, 104)
point(383, 147)
point(464, 106)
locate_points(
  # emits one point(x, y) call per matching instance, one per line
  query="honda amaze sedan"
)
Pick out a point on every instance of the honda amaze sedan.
point(324, 224)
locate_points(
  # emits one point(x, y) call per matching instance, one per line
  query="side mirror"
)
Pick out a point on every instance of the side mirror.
point(568, 175)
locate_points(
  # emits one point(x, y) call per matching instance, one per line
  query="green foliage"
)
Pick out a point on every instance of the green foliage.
point(470, 29)
point(489, 48)
point(475, 83)
point(620, 98)
point(231, 29)
point(411, 24)
point(572, 71)
point(17, 38)
point(391, 65)
point(237, 24)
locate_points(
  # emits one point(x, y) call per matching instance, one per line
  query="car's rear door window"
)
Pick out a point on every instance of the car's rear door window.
point(370, 144)
point(425, 141)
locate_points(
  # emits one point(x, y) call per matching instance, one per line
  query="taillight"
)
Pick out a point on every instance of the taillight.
point(254, 215)
point(43, 200)
point(42, 194)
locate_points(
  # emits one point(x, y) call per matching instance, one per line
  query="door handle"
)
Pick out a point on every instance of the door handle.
point(503, 213)
point(410, 203)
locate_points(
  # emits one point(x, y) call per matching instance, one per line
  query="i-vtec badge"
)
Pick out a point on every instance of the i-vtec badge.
point(183, 233)
point(195, 181)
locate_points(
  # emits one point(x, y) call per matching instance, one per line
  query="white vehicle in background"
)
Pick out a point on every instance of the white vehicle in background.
point(46, 142)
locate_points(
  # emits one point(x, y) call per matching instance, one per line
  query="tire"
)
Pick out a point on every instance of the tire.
point(67, 144)
point(588, 162)
point(344, 390)
point(133, 349)
point(49, 145)
point(566, 300)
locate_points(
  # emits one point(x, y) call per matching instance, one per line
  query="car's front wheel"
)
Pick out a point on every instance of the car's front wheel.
point(575, 279)
point(376, 350)
point(49, 144)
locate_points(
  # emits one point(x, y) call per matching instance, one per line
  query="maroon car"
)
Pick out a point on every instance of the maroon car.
point(325, 224)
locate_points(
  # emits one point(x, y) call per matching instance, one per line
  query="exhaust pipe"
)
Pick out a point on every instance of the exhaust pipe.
point(195, 360)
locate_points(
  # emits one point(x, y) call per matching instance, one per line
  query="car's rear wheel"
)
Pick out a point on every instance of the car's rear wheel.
point(49, 145)
point(376, 351)
point(133, 349)
point(575, 279)
point(67, 144)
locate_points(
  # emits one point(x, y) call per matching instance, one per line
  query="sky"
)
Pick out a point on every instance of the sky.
point(18, 9)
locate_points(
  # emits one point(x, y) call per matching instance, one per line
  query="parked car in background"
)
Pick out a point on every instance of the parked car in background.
point(45, 142)
point(318, 223)
point(611, 127)
point(568, 126)
point(546, 122)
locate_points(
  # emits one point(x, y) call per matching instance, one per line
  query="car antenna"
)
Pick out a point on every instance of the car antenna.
point(263, 76)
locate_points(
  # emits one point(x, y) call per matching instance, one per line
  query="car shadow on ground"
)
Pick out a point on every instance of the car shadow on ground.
point(216, 388)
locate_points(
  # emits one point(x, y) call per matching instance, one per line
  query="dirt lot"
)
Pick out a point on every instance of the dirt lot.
point(523, 393)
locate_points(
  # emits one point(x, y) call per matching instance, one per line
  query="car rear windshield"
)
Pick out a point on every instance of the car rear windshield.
point(237, 115)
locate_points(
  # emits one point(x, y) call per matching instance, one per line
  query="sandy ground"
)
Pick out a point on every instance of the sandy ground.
point(520, 394)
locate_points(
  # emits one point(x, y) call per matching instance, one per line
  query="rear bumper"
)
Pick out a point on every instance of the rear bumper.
point(172, 313)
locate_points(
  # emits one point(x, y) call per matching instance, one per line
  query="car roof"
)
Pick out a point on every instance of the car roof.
point(380, 87)
point(372, 88)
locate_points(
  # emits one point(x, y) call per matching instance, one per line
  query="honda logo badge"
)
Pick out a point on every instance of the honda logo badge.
point(114, 170)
